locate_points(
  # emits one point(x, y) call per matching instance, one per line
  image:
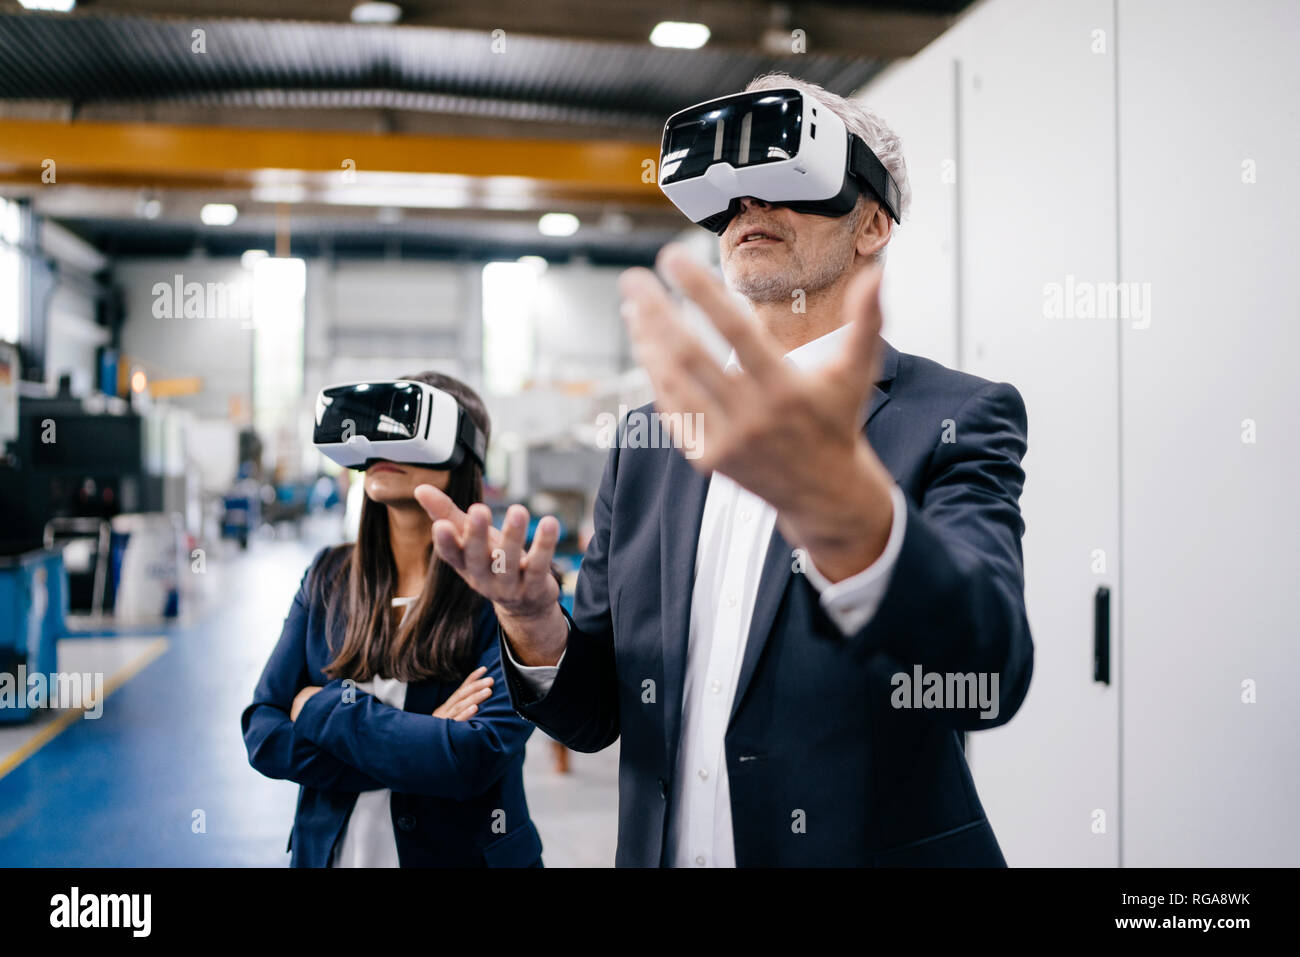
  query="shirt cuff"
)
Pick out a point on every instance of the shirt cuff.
point(852, 603)
point(538, 678)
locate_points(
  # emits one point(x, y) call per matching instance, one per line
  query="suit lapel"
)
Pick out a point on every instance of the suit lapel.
point(888, 370)
point(777, 568)
point(778, 563)
point(679, 534)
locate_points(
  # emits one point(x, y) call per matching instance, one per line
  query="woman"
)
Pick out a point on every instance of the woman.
point(385, 698)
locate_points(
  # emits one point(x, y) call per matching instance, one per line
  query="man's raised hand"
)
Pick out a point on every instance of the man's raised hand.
point(793, 438)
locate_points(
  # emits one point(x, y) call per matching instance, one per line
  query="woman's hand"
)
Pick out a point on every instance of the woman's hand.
point(464, 701)
point(300, 699)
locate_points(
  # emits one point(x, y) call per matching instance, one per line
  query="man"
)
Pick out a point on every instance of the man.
point(790, 624)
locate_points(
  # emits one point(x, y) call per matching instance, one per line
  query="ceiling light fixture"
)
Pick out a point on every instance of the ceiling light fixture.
point(683, 36)
point(558, 224)
point(376, 12)
point(218, 214)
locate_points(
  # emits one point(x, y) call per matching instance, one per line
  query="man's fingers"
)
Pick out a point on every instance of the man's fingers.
point(438, 506)
point(678, 376)
point(862, 353)
point(448, 546)
point(478, 526)
point(667, 350)
point(513, 530)
point(537, 564)
point(758, 354)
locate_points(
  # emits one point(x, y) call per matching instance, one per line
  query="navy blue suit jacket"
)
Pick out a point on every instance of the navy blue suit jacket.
point(458, 792)
point(813, 738)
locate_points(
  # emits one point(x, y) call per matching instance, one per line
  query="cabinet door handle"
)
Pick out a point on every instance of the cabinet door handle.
point(1101, 635)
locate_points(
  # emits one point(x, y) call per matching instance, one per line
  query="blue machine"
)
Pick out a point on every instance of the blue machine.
point(33, 613)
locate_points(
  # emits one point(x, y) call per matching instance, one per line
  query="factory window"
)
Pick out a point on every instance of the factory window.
point(509, 296)
point(10, 271)
point(279, 290)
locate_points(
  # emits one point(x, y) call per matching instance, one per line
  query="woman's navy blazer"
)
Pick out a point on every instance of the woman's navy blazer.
point(458, 790)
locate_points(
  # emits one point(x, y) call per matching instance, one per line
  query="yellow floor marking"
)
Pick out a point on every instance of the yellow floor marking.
point(65, 718)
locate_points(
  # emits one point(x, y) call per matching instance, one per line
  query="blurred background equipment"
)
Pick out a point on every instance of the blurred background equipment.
point(33, 604)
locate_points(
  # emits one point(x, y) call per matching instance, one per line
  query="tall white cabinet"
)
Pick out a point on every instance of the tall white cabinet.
point(1103, 248)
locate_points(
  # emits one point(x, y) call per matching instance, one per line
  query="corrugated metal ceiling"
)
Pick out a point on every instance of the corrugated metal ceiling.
point(93, 59)
point(142, 64)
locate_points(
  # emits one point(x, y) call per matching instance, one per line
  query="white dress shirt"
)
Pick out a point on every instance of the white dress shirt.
point(734, 533)
point(368, 839)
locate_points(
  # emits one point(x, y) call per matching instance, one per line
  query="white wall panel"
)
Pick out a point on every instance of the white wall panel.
point(1038, 154)
point(919, 290)
point(1016, 103)
point(1152, 155)
point(1211, 523)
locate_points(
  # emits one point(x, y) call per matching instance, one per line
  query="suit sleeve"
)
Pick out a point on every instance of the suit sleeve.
point(955, 604)
point(581, 708)
point(417, 753)
point(275, 748)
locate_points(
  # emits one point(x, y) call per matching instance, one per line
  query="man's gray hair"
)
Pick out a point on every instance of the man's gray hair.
point(883, 141)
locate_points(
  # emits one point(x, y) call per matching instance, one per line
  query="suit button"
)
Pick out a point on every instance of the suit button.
point(663, 789)
point(406, 822)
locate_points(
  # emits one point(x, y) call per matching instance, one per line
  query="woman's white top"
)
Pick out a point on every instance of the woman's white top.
point(367, 839)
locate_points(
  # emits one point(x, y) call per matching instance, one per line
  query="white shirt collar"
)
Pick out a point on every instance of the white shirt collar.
point(810, 355)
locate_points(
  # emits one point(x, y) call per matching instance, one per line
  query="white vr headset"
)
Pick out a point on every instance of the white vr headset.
point(781, 146)
point(397, 420)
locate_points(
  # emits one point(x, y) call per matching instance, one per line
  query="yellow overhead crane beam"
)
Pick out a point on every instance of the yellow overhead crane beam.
point(163, 155)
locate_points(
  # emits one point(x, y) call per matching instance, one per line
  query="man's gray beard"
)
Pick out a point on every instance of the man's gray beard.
point(781, 286)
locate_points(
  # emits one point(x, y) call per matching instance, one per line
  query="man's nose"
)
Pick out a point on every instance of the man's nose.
point(753, 202)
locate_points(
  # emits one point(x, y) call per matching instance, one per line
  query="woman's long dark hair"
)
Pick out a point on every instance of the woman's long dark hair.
point(435, 639)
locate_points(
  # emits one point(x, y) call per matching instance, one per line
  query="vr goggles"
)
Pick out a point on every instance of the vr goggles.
point(397, 420)
point(781, 146)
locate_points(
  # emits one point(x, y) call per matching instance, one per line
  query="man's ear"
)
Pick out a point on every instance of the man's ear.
point(873, 231)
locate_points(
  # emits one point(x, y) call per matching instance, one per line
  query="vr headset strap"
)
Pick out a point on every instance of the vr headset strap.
point(471, 439)
point(864, 164)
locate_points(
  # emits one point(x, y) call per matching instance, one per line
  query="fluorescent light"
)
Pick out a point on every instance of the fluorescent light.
point(55, 6)
point(538, 263)
point(558, 224)
point(252, 257)
point(685, 36)
point(218, 214)
point(375, 12)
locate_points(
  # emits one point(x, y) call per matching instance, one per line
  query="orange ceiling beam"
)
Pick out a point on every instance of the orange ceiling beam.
point(237, 155)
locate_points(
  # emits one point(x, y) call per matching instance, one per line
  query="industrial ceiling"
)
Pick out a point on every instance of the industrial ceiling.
point(115, 89)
